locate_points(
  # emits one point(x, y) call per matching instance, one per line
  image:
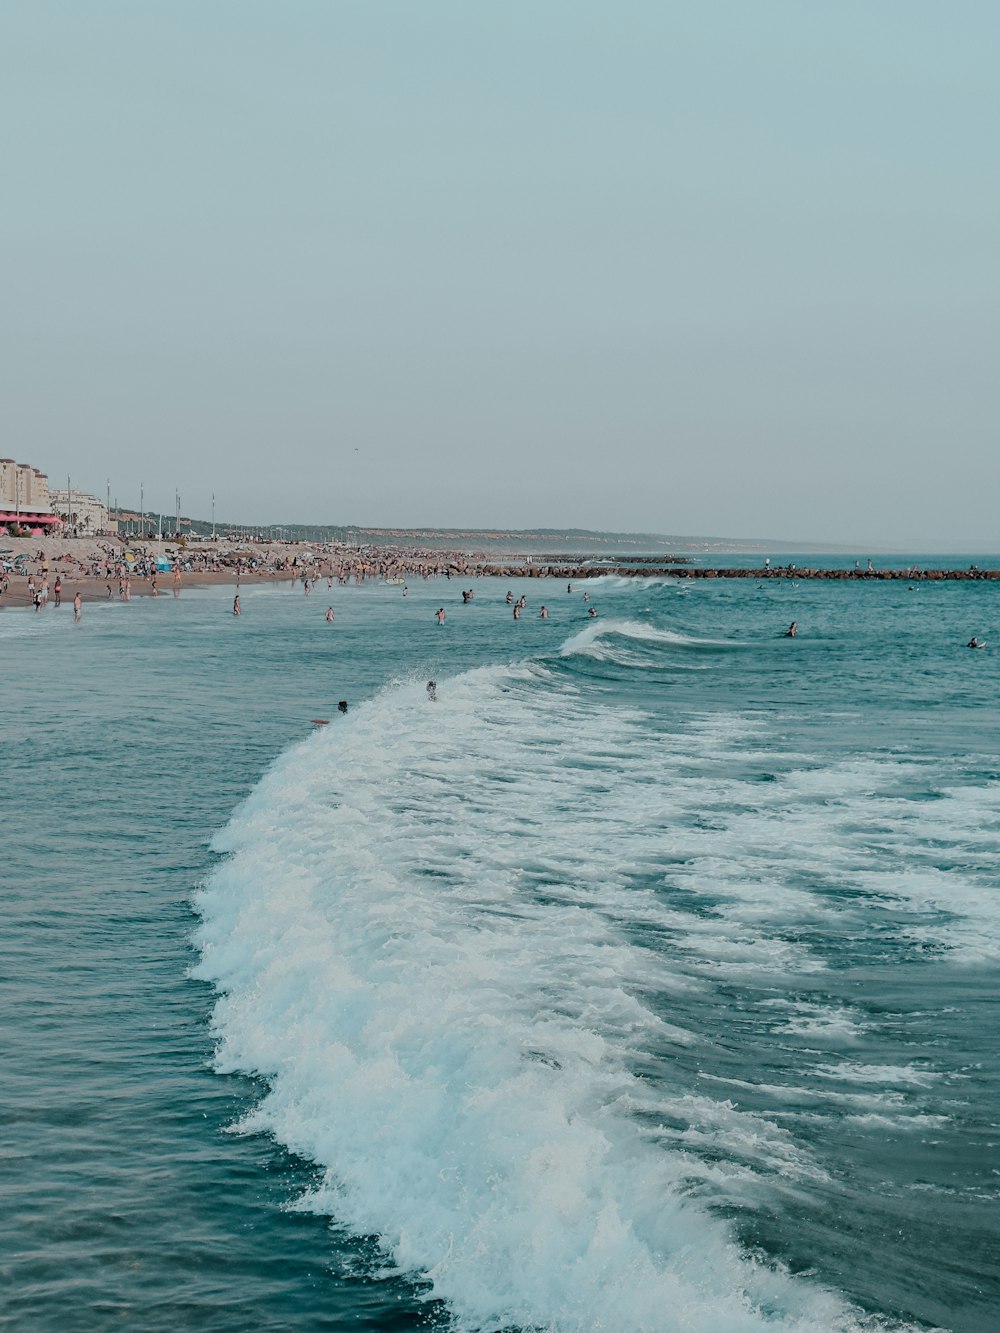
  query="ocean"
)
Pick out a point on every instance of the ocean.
point(645, 980)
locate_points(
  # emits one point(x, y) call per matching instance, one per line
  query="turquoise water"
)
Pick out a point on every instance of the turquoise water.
point(646, 980)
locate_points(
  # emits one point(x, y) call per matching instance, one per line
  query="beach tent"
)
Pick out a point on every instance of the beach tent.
point(163, 563)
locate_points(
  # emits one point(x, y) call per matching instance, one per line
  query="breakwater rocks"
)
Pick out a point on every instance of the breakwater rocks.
point(576, 573)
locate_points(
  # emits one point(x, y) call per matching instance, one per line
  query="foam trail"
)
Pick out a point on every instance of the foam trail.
point(428, 972)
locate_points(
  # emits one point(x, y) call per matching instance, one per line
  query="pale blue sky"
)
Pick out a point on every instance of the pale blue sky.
point(723, 268)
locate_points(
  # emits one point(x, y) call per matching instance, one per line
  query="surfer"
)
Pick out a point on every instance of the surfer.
point(975, 643)
point(432, 691)
point(342, 706)
point(792, 630)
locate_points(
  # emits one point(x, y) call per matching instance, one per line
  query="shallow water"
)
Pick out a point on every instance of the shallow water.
point(644, 981)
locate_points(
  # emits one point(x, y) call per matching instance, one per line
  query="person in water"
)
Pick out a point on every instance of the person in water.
point(544, 613)
point(342, 706)
point(432, 690)
point(975, 643)
point(329, 615)
point(592, 612)
point(510, 598)
point(792, 630)
point(440, 615)
point(236, 606)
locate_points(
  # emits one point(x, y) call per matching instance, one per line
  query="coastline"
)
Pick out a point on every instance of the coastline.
point(94, 567)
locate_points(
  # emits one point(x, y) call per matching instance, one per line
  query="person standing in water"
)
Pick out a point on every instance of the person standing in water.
point(544, 613)
point(77, 605)
point(792, 630)
point(236, 606)
point(329, 615)
point(440, 615)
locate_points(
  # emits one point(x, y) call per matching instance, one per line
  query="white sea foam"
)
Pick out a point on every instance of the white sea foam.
point(607, 640)
point(423, 944)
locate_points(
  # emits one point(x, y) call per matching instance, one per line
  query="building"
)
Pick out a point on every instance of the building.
point(83, 514)
point(24, 497)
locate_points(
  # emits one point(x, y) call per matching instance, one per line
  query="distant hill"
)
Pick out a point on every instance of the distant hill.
point(515, 540)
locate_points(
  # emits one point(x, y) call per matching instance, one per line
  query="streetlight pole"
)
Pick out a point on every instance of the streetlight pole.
point(107, 512)
point(213, 516)
point(142, 512)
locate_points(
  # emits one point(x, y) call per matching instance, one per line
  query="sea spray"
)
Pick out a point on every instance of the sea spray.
point(418, 936)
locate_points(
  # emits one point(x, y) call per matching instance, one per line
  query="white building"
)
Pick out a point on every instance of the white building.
point(83, 514)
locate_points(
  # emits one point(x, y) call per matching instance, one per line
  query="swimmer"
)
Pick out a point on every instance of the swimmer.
point(440, 615)
point(510, 598)
point(329, 615)
point(592, 612)
point(432, 690)
point(236, 606)
point(792, 630)
point(517, 610)
point(586, 596)
point(544, 613)
point(342, 706)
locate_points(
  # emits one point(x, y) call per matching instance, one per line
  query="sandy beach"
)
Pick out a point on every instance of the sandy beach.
point(93, 565)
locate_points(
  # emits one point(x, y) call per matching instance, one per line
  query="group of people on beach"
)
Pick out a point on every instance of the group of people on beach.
point(122, 562)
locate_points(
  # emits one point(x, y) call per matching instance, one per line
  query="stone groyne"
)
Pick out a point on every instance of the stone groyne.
point(574, 572)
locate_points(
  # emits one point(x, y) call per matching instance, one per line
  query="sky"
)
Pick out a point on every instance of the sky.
point(714, 267)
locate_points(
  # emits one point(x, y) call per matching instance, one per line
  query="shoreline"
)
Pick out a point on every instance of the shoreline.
point(90, 565)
